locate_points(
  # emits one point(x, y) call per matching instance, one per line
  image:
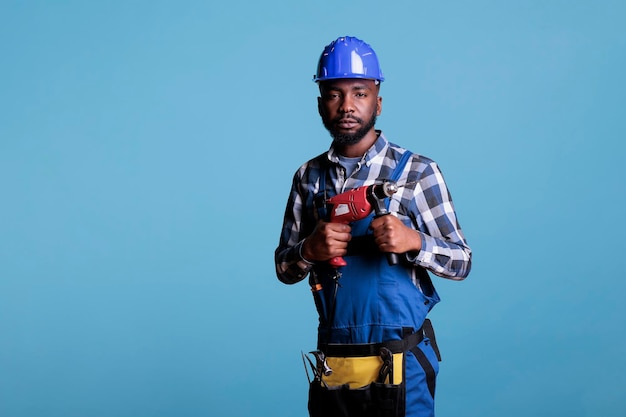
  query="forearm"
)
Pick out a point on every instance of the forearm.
point(444, 258)
point(443, 249)
point(291, 267)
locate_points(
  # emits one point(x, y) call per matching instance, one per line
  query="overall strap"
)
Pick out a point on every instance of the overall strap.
point(401, 164)
point(397, 172)
point(319, 201)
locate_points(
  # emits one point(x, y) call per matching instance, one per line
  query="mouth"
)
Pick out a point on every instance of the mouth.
point(347, 123)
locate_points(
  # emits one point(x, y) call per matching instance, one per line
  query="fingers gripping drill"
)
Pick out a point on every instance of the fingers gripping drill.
point(357, 204)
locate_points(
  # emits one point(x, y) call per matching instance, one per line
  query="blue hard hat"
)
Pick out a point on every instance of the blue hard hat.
point(348, 57)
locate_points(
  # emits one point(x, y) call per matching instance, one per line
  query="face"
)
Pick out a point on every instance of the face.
point(349, 108)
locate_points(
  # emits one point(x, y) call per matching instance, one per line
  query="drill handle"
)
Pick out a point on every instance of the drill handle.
point(377, 196)
point(392, 258)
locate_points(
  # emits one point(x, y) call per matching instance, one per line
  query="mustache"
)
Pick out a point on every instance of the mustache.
point(345, 118)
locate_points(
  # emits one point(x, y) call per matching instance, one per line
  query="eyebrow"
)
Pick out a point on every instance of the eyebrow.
point(355, 87)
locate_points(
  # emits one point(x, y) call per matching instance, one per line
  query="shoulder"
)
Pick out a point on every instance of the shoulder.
point(313, 164)
point(310, 172)
point(416, 162)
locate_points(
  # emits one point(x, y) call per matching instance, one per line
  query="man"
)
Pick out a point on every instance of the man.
point(374, 341)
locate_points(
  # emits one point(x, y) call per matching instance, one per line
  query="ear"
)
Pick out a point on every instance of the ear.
point(379, 105)
point(320, 108)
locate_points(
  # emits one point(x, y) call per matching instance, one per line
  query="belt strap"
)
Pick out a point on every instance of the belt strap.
point(430, 333)
point(372, 349)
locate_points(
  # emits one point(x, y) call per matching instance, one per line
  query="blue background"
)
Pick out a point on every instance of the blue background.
point(146, 154)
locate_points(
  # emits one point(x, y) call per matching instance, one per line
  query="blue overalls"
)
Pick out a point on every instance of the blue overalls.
point(373, 302)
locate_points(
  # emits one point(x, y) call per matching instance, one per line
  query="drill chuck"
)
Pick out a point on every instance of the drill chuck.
point(386, 189)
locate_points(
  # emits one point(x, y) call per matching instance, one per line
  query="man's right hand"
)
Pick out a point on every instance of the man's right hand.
point(327, 241)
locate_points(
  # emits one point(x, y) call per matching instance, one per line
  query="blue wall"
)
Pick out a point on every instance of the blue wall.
point(146, 154)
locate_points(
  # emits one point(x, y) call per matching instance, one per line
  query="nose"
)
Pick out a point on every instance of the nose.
point(347, 105)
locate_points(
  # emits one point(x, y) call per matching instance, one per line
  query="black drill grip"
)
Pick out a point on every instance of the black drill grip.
point(392, 258)
point(377, 197)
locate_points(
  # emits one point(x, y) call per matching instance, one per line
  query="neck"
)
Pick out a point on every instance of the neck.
point(359, 148)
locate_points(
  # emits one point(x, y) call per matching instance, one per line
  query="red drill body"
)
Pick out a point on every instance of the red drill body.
point(357, 204)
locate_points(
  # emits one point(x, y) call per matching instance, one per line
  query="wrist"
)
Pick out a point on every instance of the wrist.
point(418, 241)
point(301, 255)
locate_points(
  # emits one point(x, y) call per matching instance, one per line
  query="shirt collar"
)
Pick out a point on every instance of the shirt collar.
point(374, 152)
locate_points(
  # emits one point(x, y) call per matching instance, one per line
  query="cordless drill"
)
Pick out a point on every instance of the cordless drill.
point(357, 204)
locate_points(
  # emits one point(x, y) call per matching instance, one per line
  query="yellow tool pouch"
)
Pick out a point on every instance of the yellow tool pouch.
point(355, 389)
point(358, 372)
point(360, 380)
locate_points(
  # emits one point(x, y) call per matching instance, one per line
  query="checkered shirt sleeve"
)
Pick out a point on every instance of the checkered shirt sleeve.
point(428, 205)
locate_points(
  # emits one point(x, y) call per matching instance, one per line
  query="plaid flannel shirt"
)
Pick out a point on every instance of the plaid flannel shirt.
point(423, 204)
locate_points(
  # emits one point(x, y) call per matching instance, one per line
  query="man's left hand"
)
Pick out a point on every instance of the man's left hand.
point(391, 235)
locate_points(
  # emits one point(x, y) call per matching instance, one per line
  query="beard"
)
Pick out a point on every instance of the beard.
point(344, 139)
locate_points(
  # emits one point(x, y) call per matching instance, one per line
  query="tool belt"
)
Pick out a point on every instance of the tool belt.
point(364, 380)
